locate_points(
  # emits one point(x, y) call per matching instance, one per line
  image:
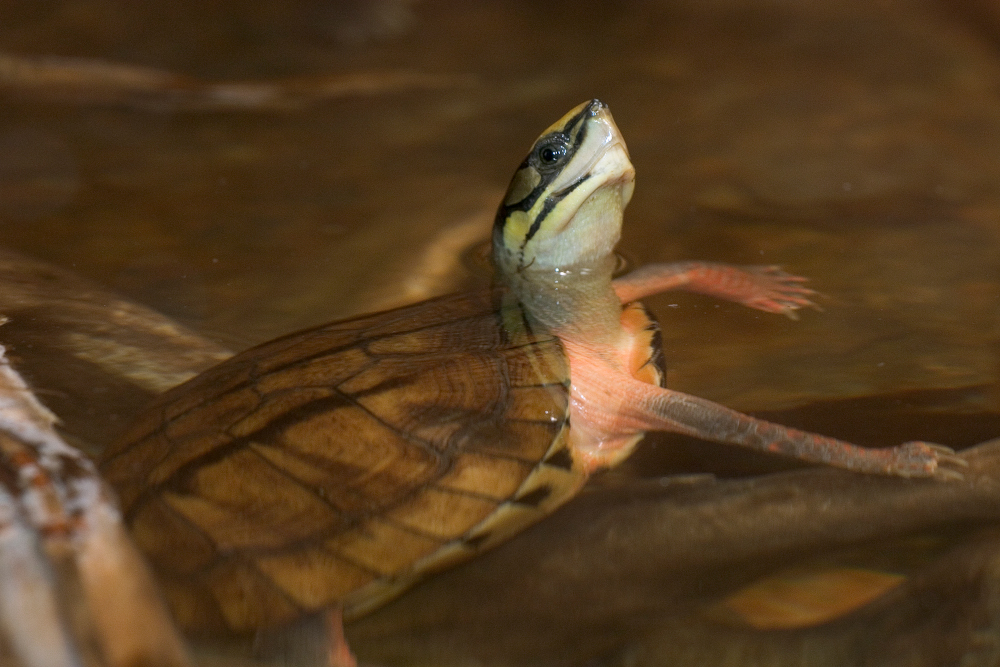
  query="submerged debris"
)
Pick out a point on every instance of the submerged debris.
point(73, 589)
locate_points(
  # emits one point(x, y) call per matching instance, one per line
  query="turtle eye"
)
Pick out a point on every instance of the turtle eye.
point(551, 152)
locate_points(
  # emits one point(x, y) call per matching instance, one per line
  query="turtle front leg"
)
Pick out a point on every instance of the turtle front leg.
point(658, 409)
point(766, 288)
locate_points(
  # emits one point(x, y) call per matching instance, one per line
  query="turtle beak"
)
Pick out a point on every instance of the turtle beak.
point(602, 156)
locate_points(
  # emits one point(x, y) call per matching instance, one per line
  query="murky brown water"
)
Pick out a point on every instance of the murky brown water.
point(856, 144)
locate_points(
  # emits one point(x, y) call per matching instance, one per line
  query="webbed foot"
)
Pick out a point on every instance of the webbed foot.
point(926, 459)
point(773, 290)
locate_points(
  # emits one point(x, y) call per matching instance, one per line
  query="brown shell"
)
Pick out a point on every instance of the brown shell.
point(339, 464)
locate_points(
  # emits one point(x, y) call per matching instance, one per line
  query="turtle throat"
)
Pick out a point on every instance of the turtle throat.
point(567, 284)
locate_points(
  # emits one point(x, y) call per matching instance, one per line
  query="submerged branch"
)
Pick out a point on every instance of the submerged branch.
point(94, 82)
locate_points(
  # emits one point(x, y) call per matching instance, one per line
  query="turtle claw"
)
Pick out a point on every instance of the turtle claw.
point(947, 455)
point(947, 462)
point(776, 291)
point(926, 459)
point(948, 475)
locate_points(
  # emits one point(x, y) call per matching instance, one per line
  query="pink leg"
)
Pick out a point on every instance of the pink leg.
point(766, 288)
point(340, 653)
point(665, 410)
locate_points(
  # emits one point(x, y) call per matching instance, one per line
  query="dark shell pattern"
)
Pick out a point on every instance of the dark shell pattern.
point(340, 464)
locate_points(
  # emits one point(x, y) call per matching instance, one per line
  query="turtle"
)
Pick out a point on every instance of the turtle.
point(337, 466)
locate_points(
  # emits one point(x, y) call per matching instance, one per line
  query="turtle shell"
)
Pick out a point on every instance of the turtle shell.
point(341, 463)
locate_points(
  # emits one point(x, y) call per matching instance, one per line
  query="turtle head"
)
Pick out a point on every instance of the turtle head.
point(564, 205)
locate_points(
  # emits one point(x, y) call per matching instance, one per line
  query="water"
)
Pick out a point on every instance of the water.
point(852, 144)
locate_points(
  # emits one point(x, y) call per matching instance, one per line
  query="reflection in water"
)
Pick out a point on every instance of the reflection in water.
point(853, 144)
point(78, 81)
point(38, 175)
point(637, 572)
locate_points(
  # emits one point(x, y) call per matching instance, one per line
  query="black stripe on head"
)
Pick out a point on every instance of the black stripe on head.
point(550, 204)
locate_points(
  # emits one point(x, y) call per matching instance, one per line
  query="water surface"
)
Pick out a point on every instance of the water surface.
point(854, 144)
